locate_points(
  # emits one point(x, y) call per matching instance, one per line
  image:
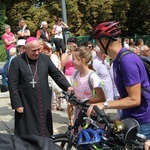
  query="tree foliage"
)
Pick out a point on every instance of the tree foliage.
point(138, 17)
point(82, 15)
point(133, 16)
point(3, 17)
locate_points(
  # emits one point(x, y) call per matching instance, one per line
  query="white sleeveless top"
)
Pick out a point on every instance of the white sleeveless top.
point(58, 29)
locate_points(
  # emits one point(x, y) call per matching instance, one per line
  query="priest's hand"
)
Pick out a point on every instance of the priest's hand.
point(70, 90)
point(20, 109)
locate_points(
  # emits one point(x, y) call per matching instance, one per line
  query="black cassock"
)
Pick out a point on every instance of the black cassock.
point(37, 116)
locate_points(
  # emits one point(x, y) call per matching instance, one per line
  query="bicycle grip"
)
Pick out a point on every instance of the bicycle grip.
point(99, 112)
point(104, 117)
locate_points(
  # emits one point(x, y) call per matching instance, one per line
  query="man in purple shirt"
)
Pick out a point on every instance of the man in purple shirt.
point(130, 79)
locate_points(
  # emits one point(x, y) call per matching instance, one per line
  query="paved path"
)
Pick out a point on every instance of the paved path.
point(60, 119)
point(2, 64)
point(7, 117)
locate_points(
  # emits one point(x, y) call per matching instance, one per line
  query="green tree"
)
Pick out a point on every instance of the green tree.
point(19, 10)
point(133, 16)
point(94, 12)
point(82, 15)
point(3, 17)
point(138, 17)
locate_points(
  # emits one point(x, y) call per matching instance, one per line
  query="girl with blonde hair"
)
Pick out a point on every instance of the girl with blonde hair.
point(82, 58)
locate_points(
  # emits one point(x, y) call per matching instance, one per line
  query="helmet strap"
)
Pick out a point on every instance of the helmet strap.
point(105, 48)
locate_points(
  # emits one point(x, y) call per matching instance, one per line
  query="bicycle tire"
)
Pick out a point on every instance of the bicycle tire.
point(105, 145)
point(66, 144)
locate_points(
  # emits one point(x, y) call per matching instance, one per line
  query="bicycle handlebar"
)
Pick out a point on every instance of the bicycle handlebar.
point(140, 139)
point(102, 114)
point(71, 98)
point(104, 117)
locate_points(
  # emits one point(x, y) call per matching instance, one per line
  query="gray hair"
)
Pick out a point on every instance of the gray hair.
point(12, 51)
point(144, 47)
point(6, 26)
point(133, 48)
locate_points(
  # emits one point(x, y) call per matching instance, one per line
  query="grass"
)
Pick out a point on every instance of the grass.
point(2, 52)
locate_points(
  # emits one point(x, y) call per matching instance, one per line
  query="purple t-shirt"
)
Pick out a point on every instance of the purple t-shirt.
point(132, 71)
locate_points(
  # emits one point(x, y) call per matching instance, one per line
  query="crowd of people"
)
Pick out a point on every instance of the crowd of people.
point(37, 74)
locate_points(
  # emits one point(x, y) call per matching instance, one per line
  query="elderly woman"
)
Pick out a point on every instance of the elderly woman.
point(5, 69)
point(9, 39)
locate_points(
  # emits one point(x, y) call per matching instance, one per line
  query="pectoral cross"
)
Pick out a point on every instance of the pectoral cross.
point(33, 83)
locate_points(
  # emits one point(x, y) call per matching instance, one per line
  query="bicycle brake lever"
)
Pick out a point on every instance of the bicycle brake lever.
point(91, 121)
point(61, 97)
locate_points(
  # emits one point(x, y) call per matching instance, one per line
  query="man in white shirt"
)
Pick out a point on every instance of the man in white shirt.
point(103, 73)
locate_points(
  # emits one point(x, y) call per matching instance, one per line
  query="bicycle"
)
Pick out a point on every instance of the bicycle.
point(119, 135)
point(68, 139)
point(114, 136)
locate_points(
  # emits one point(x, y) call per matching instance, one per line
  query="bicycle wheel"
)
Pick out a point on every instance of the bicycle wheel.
point(66, 144)
point(104, 145)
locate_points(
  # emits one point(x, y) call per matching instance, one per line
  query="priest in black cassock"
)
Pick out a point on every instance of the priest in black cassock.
point(29, 90)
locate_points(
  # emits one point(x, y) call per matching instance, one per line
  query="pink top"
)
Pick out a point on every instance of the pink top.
point(9, 37)
point(69, 68)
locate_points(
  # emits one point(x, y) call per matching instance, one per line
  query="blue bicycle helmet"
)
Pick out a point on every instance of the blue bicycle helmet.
point(89, 136)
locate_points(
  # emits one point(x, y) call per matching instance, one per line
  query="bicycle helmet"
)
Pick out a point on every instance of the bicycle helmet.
point(131, 128)
point(110, 30)
point(106, 29)
point(89, 136)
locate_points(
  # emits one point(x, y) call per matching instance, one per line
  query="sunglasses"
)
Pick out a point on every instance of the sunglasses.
point(147, 50)
point(90, 47)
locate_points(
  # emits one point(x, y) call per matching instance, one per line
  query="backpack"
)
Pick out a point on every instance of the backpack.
point(145, 60)
point(90, 83)
point(4, 85)
point(43, 36)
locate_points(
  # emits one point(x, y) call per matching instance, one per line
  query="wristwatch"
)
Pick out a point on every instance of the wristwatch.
point(105, 105)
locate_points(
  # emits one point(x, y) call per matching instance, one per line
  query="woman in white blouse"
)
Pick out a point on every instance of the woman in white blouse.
point(58, 36)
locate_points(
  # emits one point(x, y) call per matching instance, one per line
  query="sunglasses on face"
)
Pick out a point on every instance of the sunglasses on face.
point(146, 50)
point(90, 47)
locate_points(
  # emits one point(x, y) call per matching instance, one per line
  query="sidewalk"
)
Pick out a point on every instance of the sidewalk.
point(60, 118)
